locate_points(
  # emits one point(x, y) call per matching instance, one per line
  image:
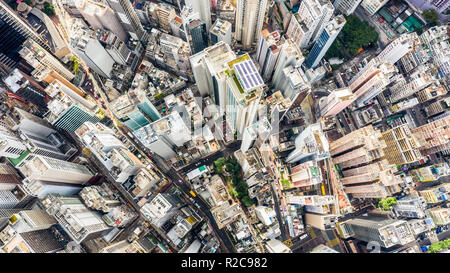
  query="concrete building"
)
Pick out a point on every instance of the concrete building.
point(434, 136)
point(387, 232)
point(198, 35)
point(267, 53)
point(39, 58)
point(203, 8)
point(100, 16)
point(293, 83)
point(209, 68)
point(323, 249)
point(55, 170)
point(410, 207)
point(440, 216)
point(359, 156)
point(14, 32)
point(436, 194)
point(436, 43)
point(307, 24)
point(220, 31)
point(402, 148)
point(324, 41)
point(159, 209)
point(250, 15)
point(24, 86)
point(372, 6)
point(398, 48)
point(305, 174)
point(347, 7)
point(85, 44)
point(322, 222)
point(371, 80)
point(11, 145)
point(290, 55)
point(243, 93)
point(164, 135)
point(129, 19)
point(310, 144)
point(334, 103)
point(164, 15)
point(404, 88)
point(80, 223)
point(116, 47)
point(276, 246)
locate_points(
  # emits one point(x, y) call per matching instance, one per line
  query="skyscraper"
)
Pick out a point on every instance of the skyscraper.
point(323, 43)
point(80, 223)
point(13, 32)
point(307, 24)
point(10, 144)
point(220, 31)
point(198, 35)
point(130, 21)
point(402, 147)
point(243, 93)
point(250, 16)
point(68, 113)
point(334, 103)
point(203, 8)
point(359, 157)
point(267, 52)
point(209, 68)
point(55, 170)
point(370, 81)
point(434, 136)
point(39, 58)
point(100, 16)
point(290, 55)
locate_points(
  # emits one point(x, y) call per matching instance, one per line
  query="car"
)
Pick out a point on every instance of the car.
point(96, 97)
point(102, 101)
point(180, 181)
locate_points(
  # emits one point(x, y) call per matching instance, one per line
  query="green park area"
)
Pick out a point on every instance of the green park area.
point(229, 168)
point(355, 37)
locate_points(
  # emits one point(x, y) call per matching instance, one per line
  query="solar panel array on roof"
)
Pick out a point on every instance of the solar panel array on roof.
point(248, 75)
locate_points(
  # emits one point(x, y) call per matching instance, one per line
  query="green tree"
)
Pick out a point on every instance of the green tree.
point(218, 164)
point(247, 201)
point(75, 64)
point(387, 203)
point(430, 15)
point(48, 9)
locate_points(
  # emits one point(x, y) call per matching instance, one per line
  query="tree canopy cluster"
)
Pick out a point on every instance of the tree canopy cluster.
point(387, 203)
point(48, 9)
point(442, 245)
point(430, 15)
point(355, 34)
point(234, 169)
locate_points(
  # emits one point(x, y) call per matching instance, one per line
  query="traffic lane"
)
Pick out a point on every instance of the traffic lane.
point(206, 213)
point(204, 209)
